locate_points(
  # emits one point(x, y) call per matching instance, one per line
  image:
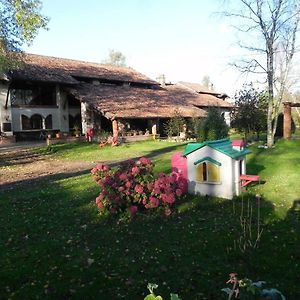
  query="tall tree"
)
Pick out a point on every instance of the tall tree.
point(115, 58)
point(20, 21)
point(270, 28)
point(207, 83)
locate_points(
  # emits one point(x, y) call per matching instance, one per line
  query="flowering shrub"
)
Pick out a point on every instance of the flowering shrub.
point(133, 186)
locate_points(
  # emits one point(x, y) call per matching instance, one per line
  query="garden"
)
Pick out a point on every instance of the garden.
point(57, 241)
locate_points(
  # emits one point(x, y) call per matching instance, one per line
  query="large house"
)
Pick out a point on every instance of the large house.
point(55, 94)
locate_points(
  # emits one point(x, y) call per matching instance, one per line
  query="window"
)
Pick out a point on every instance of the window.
point(32, 95)
point(36, 122)
point(207, 172)
point(25, 123)
point(48, 122)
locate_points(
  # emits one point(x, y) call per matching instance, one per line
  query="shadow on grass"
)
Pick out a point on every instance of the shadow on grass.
point(19, 157)
point(56, 245)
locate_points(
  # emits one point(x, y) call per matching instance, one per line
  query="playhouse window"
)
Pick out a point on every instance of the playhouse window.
point(207, 172)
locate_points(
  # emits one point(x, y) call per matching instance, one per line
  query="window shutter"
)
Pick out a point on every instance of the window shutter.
point(199, 172)
point(213, 173)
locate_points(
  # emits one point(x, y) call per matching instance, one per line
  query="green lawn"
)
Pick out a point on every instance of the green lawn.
point(55, 245)
point(92, 152)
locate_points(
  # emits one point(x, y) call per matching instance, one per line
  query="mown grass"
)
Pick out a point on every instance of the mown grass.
point(92, 152)
point(55, 245)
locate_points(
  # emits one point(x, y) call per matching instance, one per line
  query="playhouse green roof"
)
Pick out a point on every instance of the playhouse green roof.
point(224, 146)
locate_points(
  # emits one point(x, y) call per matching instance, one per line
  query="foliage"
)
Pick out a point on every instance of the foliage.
point(250, 112)
point(115, 58)
point(175, 125)
point(133, 187)
point(207, 83)
point(151, 296)
point(247, 289)
point(213, 127)
point(20, 23)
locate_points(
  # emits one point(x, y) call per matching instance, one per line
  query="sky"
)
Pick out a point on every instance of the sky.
point(183, 39)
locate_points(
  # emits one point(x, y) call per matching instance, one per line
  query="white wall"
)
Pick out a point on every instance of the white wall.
point(229, 178)
point(60, 114)
point(28, 112)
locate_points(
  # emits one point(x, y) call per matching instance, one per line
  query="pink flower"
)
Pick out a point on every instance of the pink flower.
point(121, 189)
point(168, 198)
point(154, 202)
point(94, 170)
point(100, 205)
point(133, 209)
point(178, 192)
point(139, 189)
point(99, 198)
point(156, 191)
point(135, 170)
point(145, 161)
point(150, 186)
point(123, 176)
point(128, 184)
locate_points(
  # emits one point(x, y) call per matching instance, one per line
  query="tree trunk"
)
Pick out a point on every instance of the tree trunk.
point(270, 74)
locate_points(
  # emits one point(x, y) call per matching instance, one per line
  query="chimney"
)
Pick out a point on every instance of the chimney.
point(161, 79)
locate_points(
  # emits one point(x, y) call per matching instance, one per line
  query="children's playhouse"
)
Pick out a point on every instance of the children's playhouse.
point(215, 168)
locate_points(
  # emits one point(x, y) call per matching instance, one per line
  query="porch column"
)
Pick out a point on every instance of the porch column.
point(287, 120)
point(83, 110)
point(115, 128)
point(154, 127)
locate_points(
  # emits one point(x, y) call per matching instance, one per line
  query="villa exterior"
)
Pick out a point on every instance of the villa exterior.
point(53, 94)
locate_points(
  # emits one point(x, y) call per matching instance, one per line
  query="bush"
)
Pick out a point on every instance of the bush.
point(175, 125)
point(133, 187)
point(213, 127)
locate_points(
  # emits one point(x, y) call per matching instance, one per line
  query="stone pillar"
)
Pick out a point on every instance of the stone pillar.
point(84, 117)
point(6, 116)
point(154, 127)
point(115, 128)
point(287, 120)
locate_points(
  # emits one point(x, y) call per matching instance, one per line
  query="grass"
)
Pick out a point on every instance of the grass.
point(91, 152)
point(55, 245)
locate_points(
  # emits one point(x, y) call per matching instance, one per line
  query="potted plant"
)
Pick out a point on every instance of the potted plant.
point(77, 131)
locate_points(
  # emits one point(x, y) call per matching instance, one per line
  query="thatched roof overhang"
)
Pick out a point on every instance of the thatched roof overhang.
point(61, 70)
point(129, 102)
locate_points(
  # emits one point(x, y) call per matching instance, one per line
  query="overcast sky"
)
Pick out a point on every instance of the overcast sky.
point(183, 39)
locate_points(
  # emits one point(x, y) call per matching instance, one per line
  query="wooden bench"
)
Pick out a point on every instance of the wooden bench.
point(247, 179)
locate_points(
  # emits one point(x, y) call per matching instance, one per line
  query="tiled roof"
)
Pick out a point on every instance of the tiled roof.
point(224, 146)
point(62, 70)
point(206, 98)
point(132, 102)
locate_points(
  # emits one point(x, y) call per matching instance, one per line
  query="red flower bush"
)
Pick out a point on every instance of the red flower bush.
point(133, 186)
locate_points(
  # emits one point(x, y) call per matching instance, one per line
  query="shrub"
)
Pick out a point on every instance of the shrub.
point(133, 187)
point(247, 289)
point(213, 127)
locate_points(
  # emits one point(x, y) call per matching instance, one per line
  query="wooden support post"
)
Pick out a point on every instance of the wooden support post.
point(287, 120)
point(115, 128)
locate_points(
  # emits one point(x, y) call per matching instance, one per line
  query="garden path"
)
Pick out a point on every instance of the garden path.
point(21, 165)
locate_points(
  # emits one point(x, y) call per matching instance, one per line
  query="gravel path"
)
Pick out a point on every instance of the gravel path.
point(20, 165)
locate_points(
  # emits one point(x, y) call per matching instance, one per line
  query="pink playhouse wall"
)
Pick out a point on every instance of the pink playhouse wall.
point(179, 165)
